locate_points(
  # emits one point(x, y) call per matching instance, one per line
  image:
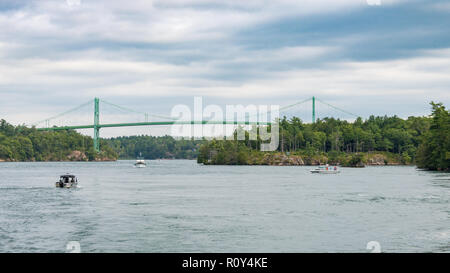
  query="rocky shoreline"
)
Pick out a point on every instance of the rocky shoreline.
point(268, 159)
point(80, 156)
point(295, 160)
point(279, 159)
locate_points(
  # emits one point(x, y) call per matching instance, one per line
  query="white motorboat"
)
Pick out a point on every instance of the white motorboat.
point(140, 162)
point(326, 169)
point(67, 181)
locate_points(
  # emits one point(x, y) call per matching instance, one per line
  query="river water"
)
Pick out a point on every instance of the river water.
point(180, 206)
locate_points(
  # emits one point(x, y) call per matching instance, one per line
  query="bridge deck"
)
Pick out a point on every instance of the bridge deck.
point(152, 123)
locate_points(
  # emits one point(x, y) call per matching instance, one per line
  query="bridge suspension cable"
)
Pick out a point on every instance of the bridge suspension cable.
point(135, 111)
point(282, 108)
point(337, 108)
point(62, 114)
point(313, 99)
point(295, 104)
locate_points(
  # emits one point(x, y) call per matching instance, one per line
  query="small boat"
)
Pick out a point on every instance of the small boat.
point(140, 162)
point(326, 170)
point(67, 181)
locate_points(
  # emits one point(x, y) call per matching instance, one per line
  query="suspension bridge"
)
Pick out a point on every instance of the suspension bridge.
point(164, 120)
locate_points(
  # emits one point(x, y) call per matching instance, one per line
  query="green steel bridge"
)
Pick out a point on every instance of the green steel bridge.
point(167, 120)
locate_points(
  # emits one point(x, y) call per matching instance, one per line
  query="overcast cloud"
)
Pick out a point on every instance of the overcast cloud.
point(151, 55)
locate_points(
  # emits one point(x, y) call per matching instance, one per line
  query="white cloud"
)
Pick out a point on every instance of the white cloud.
point(157, 21)
point(116, 78)
point(440, 6)
point(38, 63)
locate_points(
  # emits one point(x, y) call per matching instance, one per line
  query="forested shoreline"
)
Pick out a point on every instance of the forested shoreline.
point(423, 141)
point(151, 147)
point(20, 143)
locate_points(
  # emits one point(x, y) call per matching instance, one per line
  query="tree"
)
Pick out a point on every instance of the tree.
point(434, 150)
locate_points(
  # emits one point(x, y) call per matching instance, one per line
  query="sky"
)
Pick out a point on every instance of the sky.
point(387, 57)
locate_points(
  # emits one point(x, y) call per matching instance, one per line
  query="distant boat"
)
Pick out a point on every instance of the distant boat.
point(67, 181)
point(140, 162)
point(326, 170)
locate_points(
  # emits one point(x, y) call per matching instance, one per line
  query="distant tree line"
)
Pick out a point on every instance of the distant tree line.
point(389, 134)
point(423, 140)
point(151, 147)
point(20, 143)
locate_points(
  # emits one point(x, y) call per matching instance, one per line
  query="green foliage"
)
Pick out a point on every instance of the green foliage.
point(396, 140)
point(221, 152)
point(406, 159)
point(356, 160)
point(390, 134)
point(154, 147)
point(433, 153)
point(19, 143)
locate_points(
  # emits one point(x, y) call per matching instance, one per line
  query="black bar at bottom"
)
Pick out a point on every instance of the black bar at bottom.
point(225, 262)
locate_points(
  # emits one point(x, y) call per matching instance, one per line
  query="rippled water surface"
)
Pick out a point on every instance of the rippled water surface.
point(179, 206)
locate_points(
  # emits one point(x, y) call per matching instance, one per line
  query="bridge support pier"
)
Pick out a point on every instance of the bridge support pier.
point(96, 125)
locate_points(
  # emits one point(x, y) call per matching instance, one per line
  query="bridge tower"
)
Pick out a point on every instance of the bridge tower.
point(96, 123)
point(313, 109)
